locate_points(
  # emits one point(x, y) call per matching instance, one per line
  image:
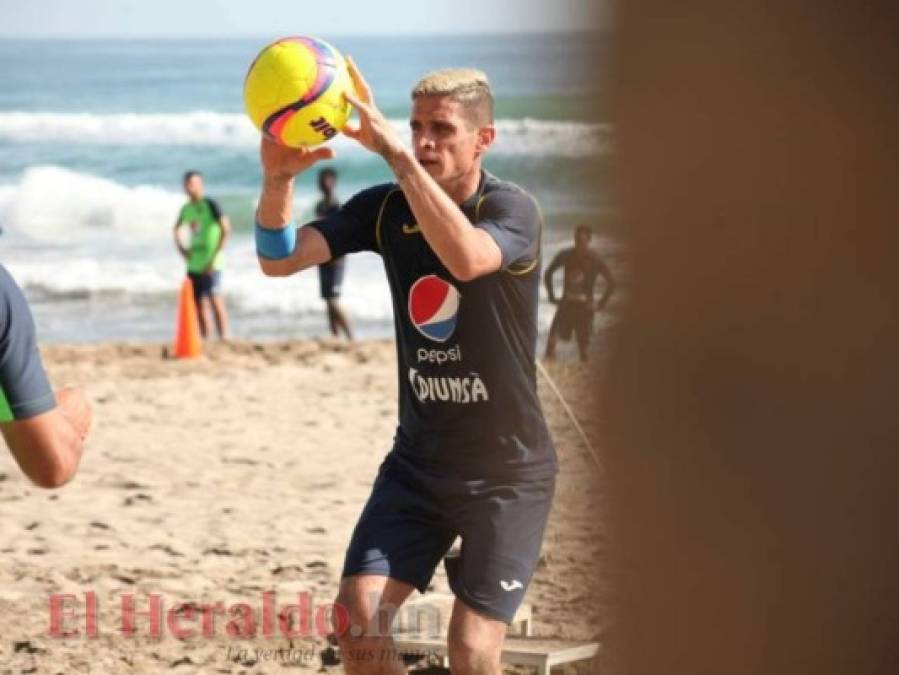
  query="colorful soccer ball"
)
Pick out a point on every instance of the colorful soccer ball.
point(293, 91)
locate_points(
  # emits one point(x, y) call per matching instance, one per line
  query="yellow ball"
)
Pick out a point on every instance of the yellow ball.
point(293, 91)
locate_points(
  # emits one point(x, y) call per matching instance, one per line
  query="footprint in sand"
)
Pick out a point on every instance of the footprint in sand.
point(26, 647)
point(130, 485)
point(137, 498)
point(291, 571)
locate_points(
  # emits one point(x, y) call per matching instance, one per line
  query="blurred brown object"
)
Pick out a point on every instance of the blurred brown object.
point(752, 445)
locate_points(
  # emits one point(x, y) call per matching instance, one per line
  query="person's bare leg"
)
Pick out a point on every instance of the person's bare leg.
point(475, 642)
point(338, 318)
point(368, 603)
point(203, 315)
point(332, 317)
point(552, 339)
point(221, 316)
point(583, 344)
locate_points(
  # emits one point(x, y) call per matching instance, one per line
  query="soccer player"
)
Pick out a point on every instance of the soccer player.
point(209, 229)
point(581, 266)
point(330, 274)
point(472, 455)
point(45, 433)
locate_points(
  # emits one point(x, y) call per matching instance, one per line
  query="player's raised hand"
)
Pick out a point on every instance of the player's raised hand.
point(374, 131)
point(280, 161)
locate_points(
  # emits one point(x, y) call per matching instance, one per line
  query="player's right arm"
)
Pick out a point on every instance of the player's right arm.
point(280, 166)
point(45, 433)
point(548, 277)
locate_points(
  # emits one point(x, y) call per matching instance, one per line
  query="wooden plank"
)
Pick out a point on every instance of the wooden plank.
point(539, 653)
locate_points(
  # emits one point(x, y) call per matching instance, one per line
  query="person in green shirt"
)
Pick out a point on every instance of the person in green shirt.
point(209, 229)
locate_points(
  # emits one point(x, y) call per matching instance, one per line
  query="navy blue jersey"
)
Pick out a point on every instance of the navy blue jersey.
point(468, 403)
point(24, 389)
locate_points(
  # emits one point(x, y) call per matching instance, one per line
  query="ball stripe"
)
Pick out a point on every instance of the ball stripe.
point(325, 73)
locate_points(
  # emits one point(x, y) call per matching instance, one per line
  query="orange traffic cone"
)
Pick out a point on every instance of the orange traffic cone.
point(188, 344)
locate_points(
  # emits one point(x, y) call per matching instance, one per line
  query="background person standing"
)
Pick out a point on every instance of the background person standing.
point(330, 274)
point(209, 229)
point(581, 266)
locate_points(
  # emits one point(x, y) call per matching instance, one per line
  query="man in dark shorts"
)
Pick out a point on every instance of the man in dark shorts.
point(472, 456)
point(330, 274)
point(581, 266)
point(209, 229)
point(45, 433)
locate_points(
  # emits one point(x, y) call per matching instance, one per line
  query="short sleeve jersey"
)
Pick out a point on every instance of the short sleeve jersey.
point(468, 404)
point(204, 217)
point(24, 389)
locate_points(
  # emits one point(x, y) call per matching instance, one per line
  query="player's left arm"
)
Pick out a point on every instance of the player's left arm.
point(468, 252)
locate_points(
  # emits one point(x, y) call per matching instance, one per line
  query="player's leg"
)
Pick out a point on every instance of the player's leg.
point(221, 316)
point(326, 289)
point(475, 642)
point(205, 315)
point(338, 319)
point(367, 605)
point(333, 321)
point(399, 539)
point(214, 285)
point(582, 330)
point(198, 282)
point(553, 336)
point(501, 525)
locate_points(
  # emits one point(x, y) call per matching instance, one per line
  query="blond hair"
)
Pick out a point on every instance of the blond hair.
point(468, 86)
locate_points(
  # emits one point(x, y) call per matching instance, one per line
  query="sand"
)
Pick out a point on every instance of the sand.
point(221, 479)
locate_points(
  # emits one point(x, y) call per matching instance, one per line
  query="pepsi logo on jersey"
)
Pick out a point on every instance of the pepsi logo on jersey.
point(434, 307)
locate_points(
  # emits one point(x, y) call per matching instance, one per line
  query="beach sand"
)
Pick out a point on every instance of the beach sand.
point(219, 479)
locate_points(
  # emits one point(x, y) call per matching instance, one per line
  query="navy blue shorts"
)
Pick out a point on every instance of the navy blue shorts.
point(206, 284)
point(412, 518)
point(330, 278)
point(573, 316)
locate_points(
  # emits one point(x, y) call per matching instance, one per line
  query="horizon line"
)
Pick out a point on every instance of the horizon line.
point(251, 36)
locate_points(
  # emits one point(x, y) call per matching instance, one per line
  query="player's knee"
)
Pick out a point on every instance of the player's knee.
point(357, 614)
point(472, 653)
point(363, 650)
point(348, 612)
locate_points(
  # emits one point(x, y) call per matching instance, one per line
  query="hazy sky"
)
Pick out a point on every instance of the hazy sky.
point(210, 18)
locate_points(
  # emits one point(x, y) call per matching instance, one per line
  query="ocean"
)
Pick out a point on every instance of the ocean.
point(95, 136)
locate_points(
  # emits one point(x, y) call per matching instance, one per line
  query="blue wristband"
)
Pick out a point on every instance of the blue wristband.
point(275, 244)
